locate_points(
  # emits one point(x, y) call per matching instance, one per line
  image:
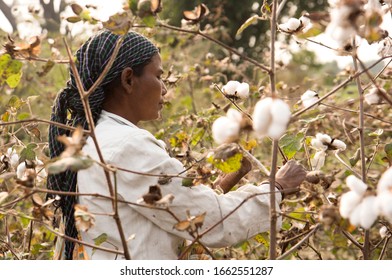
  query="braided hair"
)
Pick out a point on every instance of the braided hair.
point(91, 59)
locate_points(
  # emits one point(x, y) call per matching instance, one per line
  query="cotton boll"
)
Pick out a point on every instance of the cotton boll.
point(383, 231)
point(276, 130)
point(338, 145)
point(372, 97)
point(291, 25)
point(309, 98)
point(317, 144)
point(355, 215)
point(20, 170)
point(13, 156)
point(304, 21)
point(318, 160)
point(369, 211)
point(385, 205)
point(243, 90)
point(262, 116)
point(234, 115)
point(224, 130)
point(230, 88)
point(356, 185)
point(280, 112)
point(324, 138)
point(385, 182)
point(348, 202)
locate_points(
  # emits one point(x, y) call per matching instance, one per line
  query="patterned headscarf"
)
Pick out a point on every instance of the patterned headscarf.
point(92, 58)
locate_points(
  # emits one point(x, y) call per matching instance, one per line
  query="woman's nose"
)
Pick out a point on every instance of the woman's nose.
point(164, 89)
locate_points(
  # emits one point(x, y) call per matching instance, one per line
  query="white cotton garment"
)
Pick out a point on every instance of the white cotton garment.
point(125, 145)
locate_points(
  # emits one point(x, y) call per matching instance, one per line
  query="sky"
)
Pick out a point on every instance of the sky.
point(105, 8)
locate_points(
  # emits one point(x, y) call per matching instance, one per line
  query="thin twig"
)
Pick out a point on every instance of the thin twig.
point(296, 246)
point(361, 128)
point(345, 164)
point(275, 145)
point(384, 248)
point(198, 32)
point(351, 238)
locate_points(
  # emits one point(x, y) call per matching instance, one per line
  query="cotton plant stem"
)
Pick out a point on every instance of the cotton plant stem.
point(296, 246)
point(90, 121)
point(361, 120)
point(273, 214)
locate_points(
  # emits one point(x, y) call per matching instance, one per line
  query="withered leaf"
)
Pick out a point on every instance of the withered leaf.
point(154, 194)
point(197, 14)
point(118, 23)
point(84, 220)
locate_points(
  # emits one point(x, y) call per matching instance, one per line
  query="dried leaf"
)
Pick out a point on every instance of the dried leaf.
point(154, 194)
point(84, 220)
point(197, 14)
point(72, 144)
point(75, 163)
point(247, 23)
point(118, 23)
point(77, 9)
point(73, 19)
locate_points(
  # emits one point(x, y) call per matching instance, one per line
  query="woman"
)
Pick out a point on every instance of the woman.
point(131, 92)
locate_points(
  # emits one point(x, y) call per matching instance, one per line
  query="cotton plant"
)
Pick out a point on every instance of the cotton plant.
point(236, 89)
point(11, 156)
point(384, 193)
point(309, 97)
point(322, 143)
point(271, 117)
point(23, 170)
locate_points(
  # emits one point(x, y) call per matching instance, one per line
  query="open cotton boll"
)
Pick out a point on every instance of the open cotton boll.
point(318, 160)
point(234, 115)
point(324, 138)
point(13, 156)
point(243, 90)
point(356, 185)
point(262, 116)
point(309, 98)
point(369, 211)
point(231, 87)
point(225, 130)
point(383, 231)
point(372, 97)
point(385, 205)
point(338, 145)
point(280, 112)
point(348, 202)
point(385, 182)
point(21, 170)
point(276, 130)
point(317, 144)
point(291, 25)
point(355, 215)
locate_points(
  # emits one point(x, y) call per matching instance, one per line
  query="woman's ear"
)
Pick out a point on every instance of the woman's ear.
point(126, 79)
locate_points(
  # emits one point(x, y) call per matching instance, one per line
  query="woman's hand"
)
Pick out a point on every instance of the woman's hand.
point(290, 176)
point(229, 180)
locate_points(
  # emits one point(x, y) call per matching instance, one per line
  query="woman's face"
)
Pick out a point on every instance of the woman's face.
point(148, 91)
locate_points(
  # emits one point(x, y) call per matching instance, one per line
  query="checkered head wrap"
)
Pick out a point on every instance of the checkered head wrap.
point(91, 59)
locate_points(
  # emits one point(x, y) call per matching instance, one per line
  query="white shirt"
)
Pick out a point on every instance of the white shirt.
point(125, 145)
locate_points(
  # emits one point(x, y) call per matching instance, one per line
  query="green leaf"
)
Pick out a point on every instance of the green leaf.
point(388, 150)
point(100, 239)
point(28, 153)
point(150, 21)
point(10, 70)
point(15, 102)
point(231, 164)
point(291, 144)
point(73, 19)
point(197, 136)
point(247, 23)
point(312, 32)
point(23, 116)
point(355, 158)
point(133, 5)
point(262, 238)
